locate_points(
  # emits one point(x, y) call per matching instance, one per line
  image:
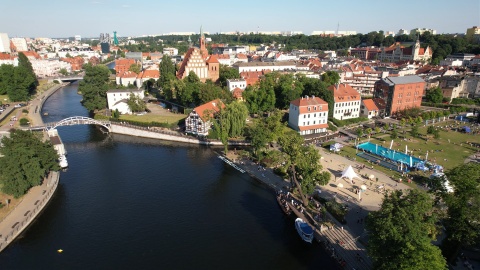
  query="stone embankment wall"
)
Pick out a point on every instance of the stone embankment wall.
point(164, 134)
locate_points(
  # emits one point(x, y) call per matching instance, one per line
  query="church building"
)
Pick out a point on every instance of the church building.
point(205, 66)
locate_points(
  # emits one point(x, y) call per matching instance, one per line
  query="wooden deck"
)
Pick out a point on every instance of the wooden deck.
point(339, 242)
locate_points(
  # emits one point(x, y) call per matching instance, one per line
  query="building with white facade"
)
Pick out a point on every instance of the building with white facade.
point(117, 99)
point(473, 85)
point(49, 68)
point(261, 66)
point(308, 115)
point(451, 62)
point(236, 83)
point(4, 43)
point(126, 78)
point(199, 121)
point(20, 44)
point(369, 109)
point(170, 51)
point(421, 31)
point(346, 102)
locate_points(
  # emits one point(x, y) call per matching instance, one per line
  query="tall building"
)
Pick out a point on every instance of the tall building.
point(4, 43)
point(421, 31)
point(400, 93)
point(20, 44)
point(473, 33)
point(197, 60)
point(105, 42)
point(346, 101)
point(308, 115)
point(398, 52)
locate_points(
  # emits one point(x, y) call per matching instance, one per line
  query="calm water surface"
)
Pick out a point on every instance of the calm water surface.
point(132, 203)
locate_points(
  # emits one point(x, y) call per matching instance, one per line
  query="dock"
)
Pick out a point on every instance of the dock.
point(346, 249)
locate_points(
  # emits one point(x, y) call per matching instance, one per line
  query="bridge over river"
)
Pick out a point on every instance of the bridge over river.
point(74, 120)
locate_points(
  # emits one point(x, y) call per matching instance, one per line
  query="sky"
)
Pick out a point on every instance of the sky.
point(89, 18)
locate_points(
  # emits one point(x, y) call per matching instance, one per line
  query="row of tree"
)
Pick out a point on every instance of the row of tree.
point(19, 82)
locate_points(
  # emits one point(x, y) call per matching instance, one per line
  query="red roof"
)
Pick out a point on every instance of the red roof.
point(344, 92)
point(212, 59)
point(209, 108)
point(312, 102)
point(370, 105)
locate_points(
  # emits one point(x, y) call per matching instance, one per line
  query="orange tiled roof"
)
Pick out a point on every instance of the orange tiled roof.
point(209, 109)
point(241, 56)
point(212, 59)
point(344, 92)
point(304, 103)
point(128, 74)
point(370, 105)
point(5, 56)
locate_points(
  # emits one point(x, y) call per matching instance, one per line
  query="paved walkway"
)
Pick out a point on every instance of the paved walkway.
point(26, 211)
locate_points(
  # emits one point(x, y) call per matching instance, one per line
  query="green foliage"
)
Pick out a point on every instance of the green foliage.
point(466, 101)
point(137, 68)
point(434, 95)
point(400, 233)
point(116, 114)
point(265, 130)
point(414, 131)
point(56, 82)
point(226, 73)
point(330, 77)
point(463, 226)
point(287, 88)
point(94, 87)
point(167, 72)
point(331, 127)
point(63, 71)
point(24, 121)
point(359, 132)
point(230, 122)
point(430, 129)
point(25, 63)
point(260, 98)
point(135, 103)
point(394, 133)
point(342, 123)
point(315, 87)
point(19, 83)
point(25, 161)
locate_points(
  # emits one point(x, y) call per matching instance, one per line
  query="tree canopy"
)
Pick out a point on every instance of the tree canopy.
point(226, 73)
point(94, 87)
point(25, 161)
point(167, 72)
point(401, 232)
point(434, 95)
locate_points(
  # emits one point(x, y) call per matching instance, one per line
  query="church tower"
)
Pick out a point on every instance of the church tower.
point(416, 49)
point(201, 40)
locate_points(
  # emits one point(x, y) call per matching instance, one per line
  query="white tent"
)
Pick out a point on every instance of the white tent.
point(349, 173)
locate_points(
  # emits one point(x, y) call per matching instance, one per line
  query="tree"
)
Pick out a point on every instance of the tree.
point(330, 77)
point(394, 133)
point(6, 78)
point(135, 103)
point(94, 87)
point(260, 98)
point(25, 160)
point(237, 113)
point(287, 88)
point(303, 164)
point(167, 72)
point(24, 62)
point(400, 233)
point(63, 71)
point(434, 95)
point(227, 73)
point(137, 68)
point(24, 84)
point(462, 224)
point(414, 131)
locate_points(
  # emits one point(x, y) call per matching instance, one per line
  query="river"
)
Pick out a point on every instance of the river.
point(133, 203)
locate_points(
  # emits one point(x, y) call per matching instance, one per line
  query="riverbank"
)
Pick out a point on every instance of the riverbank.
point(24, 210)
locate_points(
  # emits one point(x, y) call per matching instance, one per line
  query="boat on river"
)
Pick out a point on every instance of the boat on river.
point(283, 204)
point(62, 161)
point(304, 230)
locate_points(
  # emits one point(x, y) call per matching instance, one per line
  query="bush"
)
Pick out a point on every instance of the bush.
point(341, 123)
point(331, 127)
point(24, 122)
point(24, 111)
point(56, 82)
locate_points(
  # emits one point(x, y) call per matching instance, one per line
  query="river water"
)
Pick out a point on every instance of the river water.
point(133, 203)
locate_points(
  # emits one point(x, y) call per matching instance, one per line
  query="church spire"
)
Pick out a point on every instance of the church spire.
point(201, 32)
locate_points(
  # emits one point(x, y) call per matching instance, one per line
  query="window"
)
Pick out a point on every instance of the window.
point(315, 108)
point(308, 108)
point(315, 115)
point(304, 116)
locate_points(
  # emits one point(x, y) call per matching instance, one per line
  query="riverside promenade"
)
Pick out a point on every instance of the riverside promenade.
point(346, 242)
point(32, 203)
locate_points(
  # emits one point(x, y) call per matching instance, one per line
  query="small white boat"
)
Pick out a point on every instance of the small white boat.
point(304, 230)
point(62, 161)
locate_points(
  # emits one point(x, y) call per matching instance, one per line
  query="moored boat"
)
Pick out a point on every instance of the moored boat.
point(62, 161)
point(283, 204)
point(304, 230)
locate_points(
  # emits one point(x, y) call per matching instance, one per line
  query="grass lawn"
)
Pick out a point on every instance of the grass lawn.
point(147, 118)
point(4, 99)
point(449, 151)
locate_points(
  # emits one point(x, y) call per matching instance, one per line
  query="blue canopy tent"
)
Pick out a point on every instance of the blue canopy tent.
point(466, 129)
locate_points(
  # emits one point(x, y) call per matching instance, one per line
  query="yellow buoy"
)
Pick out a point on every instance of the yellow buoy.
point(60, 250)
